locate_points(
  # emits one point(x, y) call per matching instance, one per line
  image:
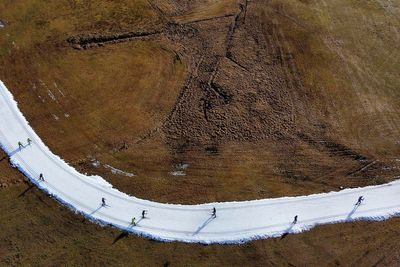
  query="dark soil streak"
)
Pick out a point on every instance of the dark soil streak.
point(238, 64)
point(93, 40)
point(363, 168)
point(233, 28)
point(333, 148)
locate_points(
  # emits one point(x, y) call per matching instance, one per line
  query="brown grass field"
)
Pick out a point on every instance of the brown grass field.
point(248, 99)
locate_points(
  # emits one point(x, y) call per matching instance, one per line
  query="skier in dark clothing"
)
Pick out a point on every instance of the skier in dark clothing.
point(214, 213)
point(144, 213)
point(20, 145)
point(29, 141)
point(103, 201)
point(295, 219)
point(41, 178)
point(360, 199)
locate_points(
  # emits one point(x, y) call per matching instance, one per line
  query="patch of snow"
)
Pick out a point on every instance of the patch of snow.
point(118, 171)
point(390, 168)
point(178, 173)
point(51, 95)
point(58, 89)
point(41, 98)
point(55, 117)
point(15, 45)
point(182, 166)
point(96, 163)
point(179, 169)
point(61, 92)
point(66, 115)
point(114, 170)
point(2, 25)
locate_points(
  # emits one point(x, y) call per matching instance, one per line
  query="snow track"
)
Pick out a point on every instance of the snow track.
point(236, 222)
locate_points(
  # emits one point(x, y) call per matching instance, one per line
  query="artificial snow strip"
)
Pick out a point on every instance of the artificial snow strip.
point(235, 222)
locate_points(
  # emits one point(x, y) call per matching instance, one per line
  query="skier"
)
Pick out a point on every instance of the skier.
point(103, 201)
point(214, 213)
point(29, 141)
point(144, 212)
point(133, 222)
point(360, 199)
point(41, 178)
point(20, 145)
point(295, 219)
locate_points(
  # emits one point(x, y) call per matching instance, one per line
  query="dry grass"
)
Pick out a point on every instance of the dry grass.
point(348, 53)
point(87, 104)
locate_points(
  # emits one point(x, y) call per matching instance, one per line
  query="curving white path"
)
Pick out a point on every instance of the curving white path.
point(236, 221)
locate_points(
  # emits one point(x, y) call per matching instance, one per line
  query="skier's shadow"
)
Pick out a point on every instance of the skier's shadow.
point(287, 231)
point(93, 212)
point(352, 211)
point(125, 233)
point(122, 235)
point(204, 225)
point(15, 151)
point(131, 225)
point(141, 218)
point(12, 153)
point(96, 210)
point(26, 191)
